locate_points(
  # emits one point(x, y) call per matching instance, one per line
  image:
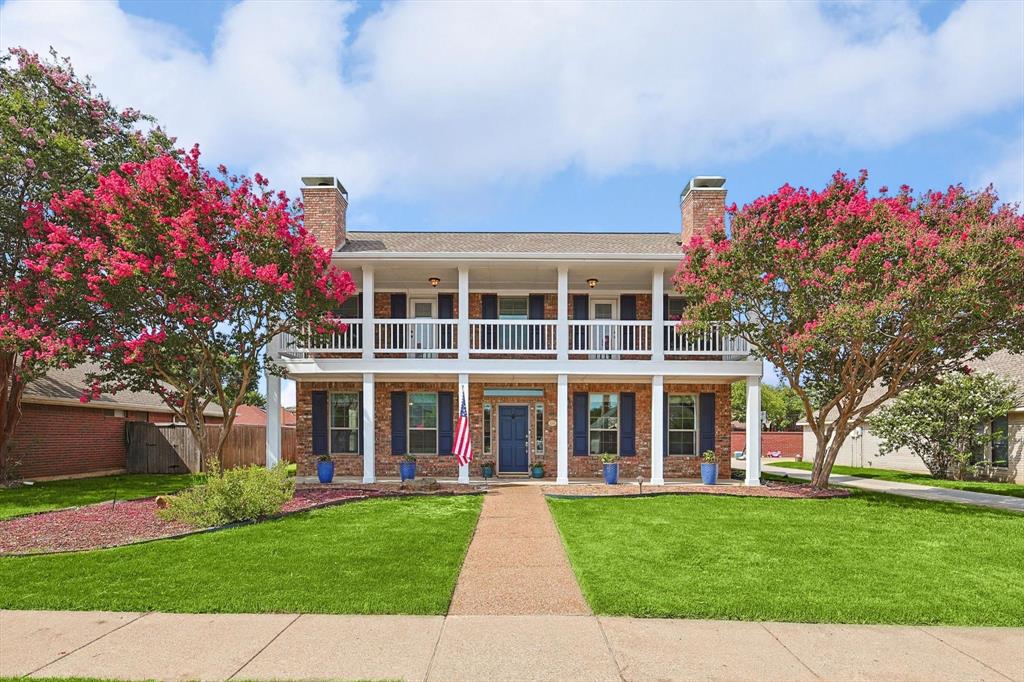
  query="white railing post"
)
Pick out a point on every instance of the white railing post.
point(368, 429)
point(658, 430)
point(562, 439)
point(658, 315)
point(463, 336)
point(562, 329)
point(753, 476)
point(367, 332)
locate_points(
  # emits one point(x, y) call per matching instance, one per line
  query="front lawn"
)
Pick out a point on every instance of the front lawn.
point(992, 487)
point(74, 492)
point(864, 559)
point(392, 555)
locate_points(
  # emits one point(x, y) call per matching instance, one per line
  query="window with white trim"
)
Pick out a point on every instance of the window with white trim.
point(423, 423)
point(682, 425)
point(538, 416)
point(487, 428)
point(604, 423)
point(345, 423)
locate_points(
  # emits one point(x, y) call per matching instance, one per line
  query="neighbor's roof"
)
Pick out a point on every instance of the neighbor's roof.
point(66, 386)
point(510, 243)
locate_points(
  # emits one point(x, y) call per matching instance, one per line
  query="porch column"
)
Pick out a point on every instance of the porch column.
point(463, 391)
point(657, 429)
point(368, 430)
point(463, 336)
point(273, 451)
point(369, 337)
point(562, 440)
point(658, 315)
point(562, 326)
point(753, 431)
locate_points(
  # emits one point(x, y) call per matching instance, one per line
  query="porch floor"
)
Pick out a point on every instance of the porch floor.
point(521, 480)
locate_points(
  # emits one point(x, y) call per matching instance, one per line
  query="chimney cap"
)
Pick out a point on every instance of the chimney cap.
point(703, 182)
point(324, 181)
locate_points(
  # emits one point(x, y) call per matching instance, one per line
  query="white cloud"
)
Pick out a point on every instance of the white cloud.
point(451, 96)
point(1007, 173)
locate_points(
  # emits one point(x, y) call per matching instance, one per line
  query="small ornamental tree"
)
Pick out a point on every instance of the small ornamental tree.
point(942, 423)
point(844, 292)
point(188, 276)
point(56, 133)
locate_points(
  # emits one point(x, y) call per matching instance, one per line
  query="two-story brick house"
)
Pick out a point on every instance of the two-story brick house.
point(562, 343)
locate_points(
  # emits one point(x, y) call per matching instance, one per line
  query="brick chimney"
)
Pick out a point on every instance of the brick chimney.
point(701, 201)
point(325, 200)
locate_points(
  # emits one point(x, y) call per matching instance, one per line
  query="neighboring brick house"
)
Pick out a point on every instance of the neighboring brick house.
point(561, 343)
point(60, 436)
point(1002, 461)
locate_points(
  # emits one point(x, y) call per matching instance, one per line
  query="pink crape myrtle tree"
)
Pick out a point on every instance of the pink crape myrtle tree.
point(56, 133)
point(187, 276)
point(855, 298)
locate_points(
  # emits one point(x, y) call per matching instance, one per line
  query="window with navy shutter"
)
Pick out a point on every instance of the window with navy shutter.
point(627, 311)
point(627, 424)
point(707, 421)
point(446, 311)
point(580, 424)
point(398, 421)
point(399, 311)
point(319, 418)
point(489, 311)
point(445, 435)
point(536, 312)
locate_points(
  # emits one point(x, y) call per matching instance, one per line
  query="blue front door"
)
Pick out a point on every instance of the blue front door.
point(512, 427)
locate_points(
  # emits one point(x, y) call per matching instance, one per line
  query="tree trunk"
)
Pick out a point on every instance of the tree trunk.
point(824, 459)
point(12, 388)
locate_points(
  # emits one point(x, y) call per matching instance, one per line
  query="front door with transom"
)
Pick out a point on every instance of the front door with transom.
point(424, 311)
point(513, 426)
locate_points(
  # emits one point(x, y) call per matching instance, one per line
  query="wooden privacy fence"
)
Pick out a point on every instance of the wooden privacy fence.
point(171, 449)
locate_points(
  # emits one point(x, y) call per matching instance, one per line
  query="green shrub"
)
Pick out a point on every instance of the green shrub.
point(238, 494)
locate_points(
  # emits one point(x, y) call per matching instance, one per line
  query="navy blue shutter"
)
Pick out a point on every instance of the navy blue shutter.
point(664, 314)
point(489, 310)
point(627, 424)
point(359, 330)
point(398, 421)
point(359, 423)
point(580, 311)
point(707, 422)
point(664, 430)
point(627, 311)
point(320, 445)
point(445, 307)
point(398, 309)
point(536, 312)
point(580, 424)
point(445, 435)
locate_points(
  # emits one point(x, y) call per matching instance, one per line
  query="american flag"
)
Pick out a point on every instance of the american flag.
point(463, 443)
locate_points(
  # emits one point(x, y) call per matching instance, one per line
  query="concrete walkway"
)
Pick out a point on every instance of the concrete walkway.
point(516, 564)
point(920, 492)
point(225, 646)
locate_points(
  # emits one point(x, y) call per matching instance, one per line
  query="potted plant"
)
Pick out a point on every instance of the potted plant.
point(407, 468)
point(709, 467)
point(537, 470)
point(610, 464)
point(487, 469)
point(325, 468)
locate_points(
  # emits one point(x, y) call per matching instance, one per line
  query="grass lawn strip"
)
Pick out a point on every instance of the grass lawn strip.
point(76, 492)
point(991, 487)
point(381, 556)
point(868, 558)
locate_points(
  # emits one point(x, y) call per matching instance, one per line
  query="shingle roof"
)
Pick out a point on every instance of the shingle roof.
point(67, 385)
point(622, 243)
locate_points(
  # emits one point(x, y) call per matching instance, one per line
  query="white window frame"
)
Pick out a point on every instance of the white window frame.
point(331, 428)
point(538, 425)
point(488, 417)
point(696, 425)
point(618, 424)
point(409, 427)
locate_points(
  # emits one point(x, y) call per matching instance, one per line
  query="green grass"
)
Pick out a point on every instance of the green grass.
point(74, 492)
point(868, 558)
point(391, 555)
point(992, 487)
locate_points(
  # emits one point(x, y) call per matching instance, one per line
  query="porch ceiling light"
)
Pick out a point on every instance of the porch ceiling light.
point(434, 281)
point(592, 282)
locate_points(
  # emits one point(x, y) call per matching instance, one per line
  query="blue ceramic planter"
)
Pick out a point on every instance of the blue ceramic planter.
point(325, 471)
point(407, 470)
point(536, 472)
point(611, 474)
point(709, 473)
point(488, 471)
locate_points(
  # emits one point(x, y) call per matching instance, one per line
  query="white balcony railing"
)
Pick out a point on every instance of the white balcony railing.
point(517, 337)
point(709, 342)
point(348, 341)
point(418, 338)
point(610, 338)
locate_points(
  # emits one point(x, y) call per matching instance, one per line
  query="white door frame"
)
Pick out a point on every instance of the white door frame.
point(422, 338)
point(604, 337)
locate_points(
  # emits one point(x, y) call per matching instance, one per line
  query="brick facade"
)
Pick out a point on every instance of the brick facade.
point(700, 209)
point(386, 464)
point(324, 211)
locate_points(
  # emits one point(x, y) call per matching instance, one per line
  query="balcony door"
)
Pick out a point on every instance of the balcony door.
point(603, 337)
point(422, 334)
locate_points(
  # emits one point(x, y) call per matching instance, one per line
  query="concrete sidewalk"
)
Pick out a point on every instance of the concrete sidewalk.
point(920, 492)
point(234, 646)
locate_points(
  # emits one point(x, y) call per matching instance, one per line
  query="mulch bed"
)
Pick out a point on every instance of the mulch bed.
point(107, 524)
point(767, 489)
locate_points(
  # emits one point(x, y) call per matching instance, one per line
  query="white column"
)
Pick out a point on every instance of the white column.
point(562, 326)
point(658, 315)
point(753, 431)
point(273, 453)
point(463, 336)
point(369, 337)
point(369, 429)
point(562, 440)
point(657, 430)
point(463, 391)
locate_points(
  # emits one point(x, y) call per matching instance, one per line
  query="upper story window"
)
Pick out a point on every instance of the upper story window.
point(676, 307)
point(349, 310)
point(344, 423)
point(423, 423)
point(513, 307)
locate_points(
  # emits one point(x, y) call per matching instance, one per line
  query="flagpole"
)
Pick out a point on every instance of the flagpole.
point(463, 397)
